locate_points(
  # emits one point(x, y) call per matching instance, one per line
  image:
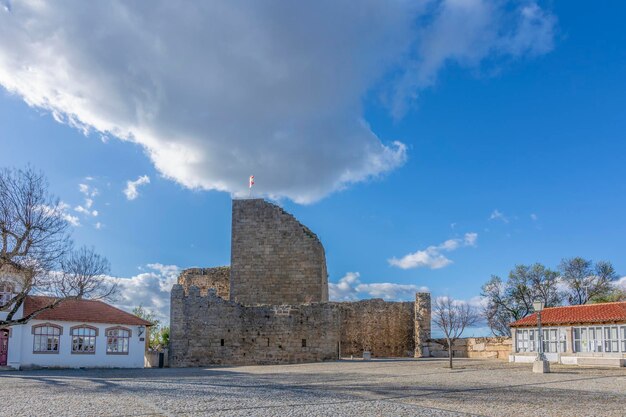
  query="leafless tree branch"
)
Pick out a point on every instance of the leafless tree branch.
point(453, 317)
point(36, 249)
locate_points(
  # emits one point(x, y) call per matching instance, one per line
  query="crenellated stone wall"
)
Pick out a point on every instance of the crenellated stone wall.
point(217, 278)
point(271, 305)
point(208, 330)
point(274, 258)
point(386, 329)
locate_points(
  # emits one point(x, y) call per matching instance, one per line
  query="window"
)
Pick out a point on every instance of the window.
point(600, 339)
point(6, 292)
point(611, 343)
point(303, 342)
point(46, 338)
point(522, 341)
point(577, 340)
point(553, 340)
point(84, 339)
point(118, 340)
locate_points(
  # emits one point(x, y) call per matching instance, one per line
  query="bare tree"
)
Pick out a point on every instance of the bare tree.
point(84, 274)
point(36, 247)
point(453, 317)
point(586, 281)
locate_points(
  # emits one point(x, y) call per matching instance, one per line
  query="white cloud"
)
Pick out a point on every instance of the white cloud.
point(273, 89)
point(621, 283)
point(98, 225)
point(477, 302)
point(497, 215)
point(470, 239)
point(85, 211)
point(150, 289)
point(534, 217)
point(61, 210)
point(350, 288)
point(468, 32)
point(432, 257)
point(89, 192)
point(131, 191)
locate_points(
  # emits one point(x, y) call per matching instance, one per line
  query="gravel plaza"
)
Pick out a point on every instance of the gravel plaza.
point(345, 388)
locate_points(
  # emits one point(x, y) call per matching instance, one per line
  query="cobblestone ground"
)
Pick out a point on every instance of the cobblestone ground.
point(346, 388)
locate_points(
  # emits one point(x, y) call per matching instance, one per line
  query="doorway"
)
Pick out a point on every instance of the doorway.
point(4, 347)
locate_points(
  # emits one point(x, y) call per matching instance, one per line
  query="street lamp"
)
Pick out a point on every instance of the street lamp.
point(541, 364)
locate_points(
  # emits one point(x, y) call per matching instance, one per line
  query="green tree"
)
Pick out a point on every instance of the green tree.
point(512, 300)
point(155, 330)
point(585, 281)
point(165, 335)
point(614, 295)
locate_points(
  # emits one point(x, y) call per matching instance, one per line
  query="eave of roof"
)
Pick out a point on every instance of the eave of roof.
point(86, 311)
point(602, 313)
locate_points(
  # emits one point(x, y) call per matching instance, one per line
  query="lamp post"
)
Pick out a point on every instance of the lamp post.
point(541, 364)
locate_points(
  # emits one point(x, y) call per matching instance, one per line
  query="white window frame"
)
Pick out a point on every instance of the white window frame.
point(553, 342)
point(600, 339)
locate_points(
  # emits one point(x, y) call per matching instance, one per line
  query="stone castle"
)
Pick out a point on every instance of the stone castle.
point(271, 305)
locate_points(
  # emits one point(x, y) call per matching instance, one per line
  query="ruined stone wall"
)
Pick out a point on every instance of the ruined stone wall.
point(386, 329)
point(274, 258)
point(422, 323)
point(207, 278)
point(208, 330)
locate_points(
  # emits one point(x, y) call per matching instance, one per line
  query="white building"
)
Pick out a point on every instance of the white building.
point(590, 334)
point(76, 333)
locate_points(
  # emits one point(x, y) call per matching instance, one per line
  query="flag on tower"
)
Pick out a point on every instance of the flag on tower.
point(251, 181)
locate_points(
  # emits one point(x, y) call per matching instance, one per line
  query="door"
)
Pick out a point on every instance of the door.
point(4, 347)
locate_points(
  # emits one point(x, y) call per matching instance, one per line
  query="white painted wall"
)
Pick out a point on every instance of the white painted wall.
point(22, 342)
point(15, 340)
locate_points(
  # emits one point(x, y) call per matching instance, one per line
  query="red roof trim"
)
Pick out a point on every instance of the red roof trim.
point(84, 311)
point(581, 314)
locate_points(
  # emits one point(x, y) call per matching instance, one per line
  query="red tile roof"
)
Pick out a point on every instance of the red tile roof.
point(587, 313)
point(85, 311)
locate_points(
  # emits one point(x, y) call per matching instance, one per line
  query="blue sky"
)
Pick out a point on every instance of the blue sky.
point(515, 137)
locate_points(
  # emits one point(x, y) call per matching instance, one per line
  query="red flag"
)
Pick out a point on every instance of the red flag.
point(251, 180)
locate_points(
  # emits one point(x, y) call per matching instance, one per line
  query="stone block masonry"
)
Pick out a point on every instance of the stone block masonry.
point(474, 347)
point(386, 329)
point(274, 258)
point(205, 279)
point(271, 305)
point(208, 330)
point(422, 323)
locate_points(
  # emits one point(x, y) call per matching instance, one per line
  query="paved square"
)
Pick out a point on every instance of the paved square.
point(346, 388)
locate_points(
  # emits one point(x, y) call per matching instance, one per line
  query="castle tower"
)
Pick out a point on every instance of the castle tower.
point(422, 323)
point(274, 258)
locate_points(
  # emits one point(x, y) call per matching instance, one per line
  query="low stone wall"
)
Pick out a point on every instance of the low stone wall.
point(207, 278)
point(475, 347)
point(386, 329)
point(152, 359)
point(208, 330)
